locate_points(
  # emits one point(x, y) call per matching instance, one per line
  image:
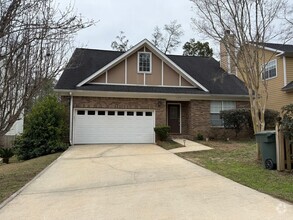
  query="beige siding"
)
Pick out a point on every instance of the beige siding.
point(132, 76)
point(117, 74)
point(171, 78)
point(155, 78)
point(277, 98)
point(289, 64)
point(184, 82)
point(100, 79)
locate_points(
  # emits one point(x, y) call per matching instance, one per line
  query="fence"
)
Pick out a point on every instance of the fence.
point(7, 140)
point(284, 151)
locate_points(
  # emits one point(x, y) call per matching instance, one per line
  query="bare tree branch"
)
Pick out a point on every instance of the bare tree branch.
point(250, 23)
point(35, 38)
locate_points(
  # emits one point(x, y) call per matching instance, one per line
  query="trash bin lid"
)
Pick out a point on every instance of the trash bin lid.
point(266, 132)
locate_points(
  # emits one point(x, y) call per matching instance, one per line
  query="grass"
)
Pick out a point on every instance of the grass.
point(15, 175)
point(236, 161)
point(169, 144)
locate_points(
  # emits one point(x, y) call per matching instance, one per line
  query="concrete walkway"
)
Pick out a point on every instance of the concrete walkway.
point(137, 182)
point(189, 146)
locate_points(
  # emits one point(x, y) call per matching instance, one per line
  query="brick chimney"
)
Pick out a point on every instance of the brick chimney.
point(225, 59)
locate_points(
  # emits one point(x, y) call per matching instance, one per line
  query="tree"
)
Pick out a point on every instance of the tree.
point(170, 40)
point(193, 48)
point(121, 44)
point(44, 130)
point(35, 37)
point(250, 23)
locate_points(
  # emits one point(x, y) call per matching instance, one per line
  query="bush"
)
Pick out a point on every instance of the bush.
point(199, 137)
point(287, 121)
point(239, 119)
point(6, 153)
point(162, 132)
point(234, 119)
point(44, 130)
point(270, 119)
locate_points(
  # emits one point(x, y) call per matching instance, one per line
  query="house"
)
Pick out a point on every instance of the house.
point(277, 63)
point(278, 72)
point(119, 97)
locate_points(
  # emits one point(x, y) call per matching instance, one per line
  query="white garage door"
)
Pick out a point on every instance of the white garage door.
point(94, 126)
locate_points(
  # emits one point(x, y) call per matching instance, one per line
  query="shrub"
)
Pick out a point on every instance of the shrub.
point(162, 132)
point(287, 121)
point(199, 137)
point(6, 153)
point(239, 119)
point(44, 130)
point(234, 119)
point(270, 119)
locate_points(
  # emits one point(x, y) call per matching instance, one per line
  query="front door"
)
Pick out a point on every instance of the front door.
point(174, 118)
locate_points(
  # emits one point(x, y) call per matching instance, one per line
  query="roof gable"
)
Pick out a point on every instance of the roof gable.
point(153, 49)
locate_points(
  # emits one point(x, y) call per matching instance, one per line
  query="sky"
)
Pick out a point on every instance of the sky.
point(136, 18)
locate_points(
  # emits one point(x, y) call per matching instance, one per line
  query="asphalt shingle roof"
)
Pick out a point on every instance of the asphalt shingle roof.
point(289, 86)
point(206, 71)
point(282, 47)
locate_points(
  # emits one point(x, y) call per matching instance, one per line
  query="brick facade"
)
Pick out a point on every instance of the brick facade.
point(195, 114)
point(159, 105)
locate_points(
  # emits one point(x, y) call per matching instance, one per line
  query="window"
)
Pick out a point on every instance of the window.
point(101, 112)
point(139, 113)
point(111, 113)
point(270, 70)
point(148, 114)
point(120, 113)
point(130, 113)
point(80, 112)
point(216, 107)
point(144, 62)
point(91, 112)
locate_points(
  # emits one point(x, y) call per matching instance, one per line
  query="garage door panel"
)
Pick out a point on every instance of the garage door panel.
point(91, 129)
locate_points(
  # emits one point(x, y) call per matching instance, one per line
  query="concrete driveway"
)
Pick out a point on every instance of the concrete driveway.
point(137, 182)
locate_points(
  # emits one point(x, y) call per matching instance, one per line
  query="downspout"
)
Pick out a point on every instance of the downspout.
point(70, 123)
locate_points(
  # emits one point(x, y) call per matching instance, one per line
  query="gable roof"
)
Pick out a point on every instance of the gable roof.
point(206, 71)
point(279, 47)
point(144, 42)
point(288, 87)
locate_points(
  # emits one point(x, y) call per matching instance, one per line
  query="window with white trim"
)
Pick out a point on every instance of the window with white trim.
point(144, 62)
point(269, 70)
point(216, 108)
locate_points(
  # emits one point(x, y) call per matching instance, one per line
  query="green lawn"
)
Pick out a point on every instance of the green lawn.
point(169, 144)
point(236, 161)
point(15, 175)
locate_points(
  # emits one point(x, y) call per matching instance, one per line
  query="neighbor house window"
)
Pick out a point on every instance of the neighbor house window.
point(144, 62)
point(270, 70)
point(216, 108)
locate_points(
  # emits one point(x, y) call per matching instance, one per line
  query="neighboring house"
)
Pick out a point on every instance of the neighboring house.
point(17, 128)
point(277, 63)
point(119, 97)
point(278, 72)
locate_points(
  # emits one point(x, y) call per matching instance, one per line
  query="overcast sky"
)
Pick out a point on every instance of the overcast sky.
point(137, 18)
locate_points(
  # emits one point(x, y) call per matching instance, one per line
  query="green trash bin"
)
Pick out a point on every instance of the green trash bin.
point(267, 143)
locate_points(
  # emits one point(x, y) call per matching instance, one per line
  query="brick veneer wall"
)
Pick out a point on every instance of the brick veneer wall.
point(195, 114)
point(159, 105)
point(199, 117)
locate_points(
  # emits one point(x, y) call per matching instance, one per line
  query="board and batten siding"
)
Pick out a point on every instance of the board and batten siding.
point(126, 73)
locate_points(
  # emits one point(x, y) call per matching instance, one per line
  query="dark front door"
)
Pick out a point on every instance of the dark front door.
point(174, 118)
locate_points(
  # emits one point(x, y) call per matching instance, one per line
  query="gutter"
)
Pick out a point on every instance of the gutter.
point(71, 120)
point(168, 96)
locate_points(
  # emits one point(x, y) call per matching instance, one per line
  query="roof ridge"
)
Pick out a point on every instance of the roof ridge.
point(102, 50)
